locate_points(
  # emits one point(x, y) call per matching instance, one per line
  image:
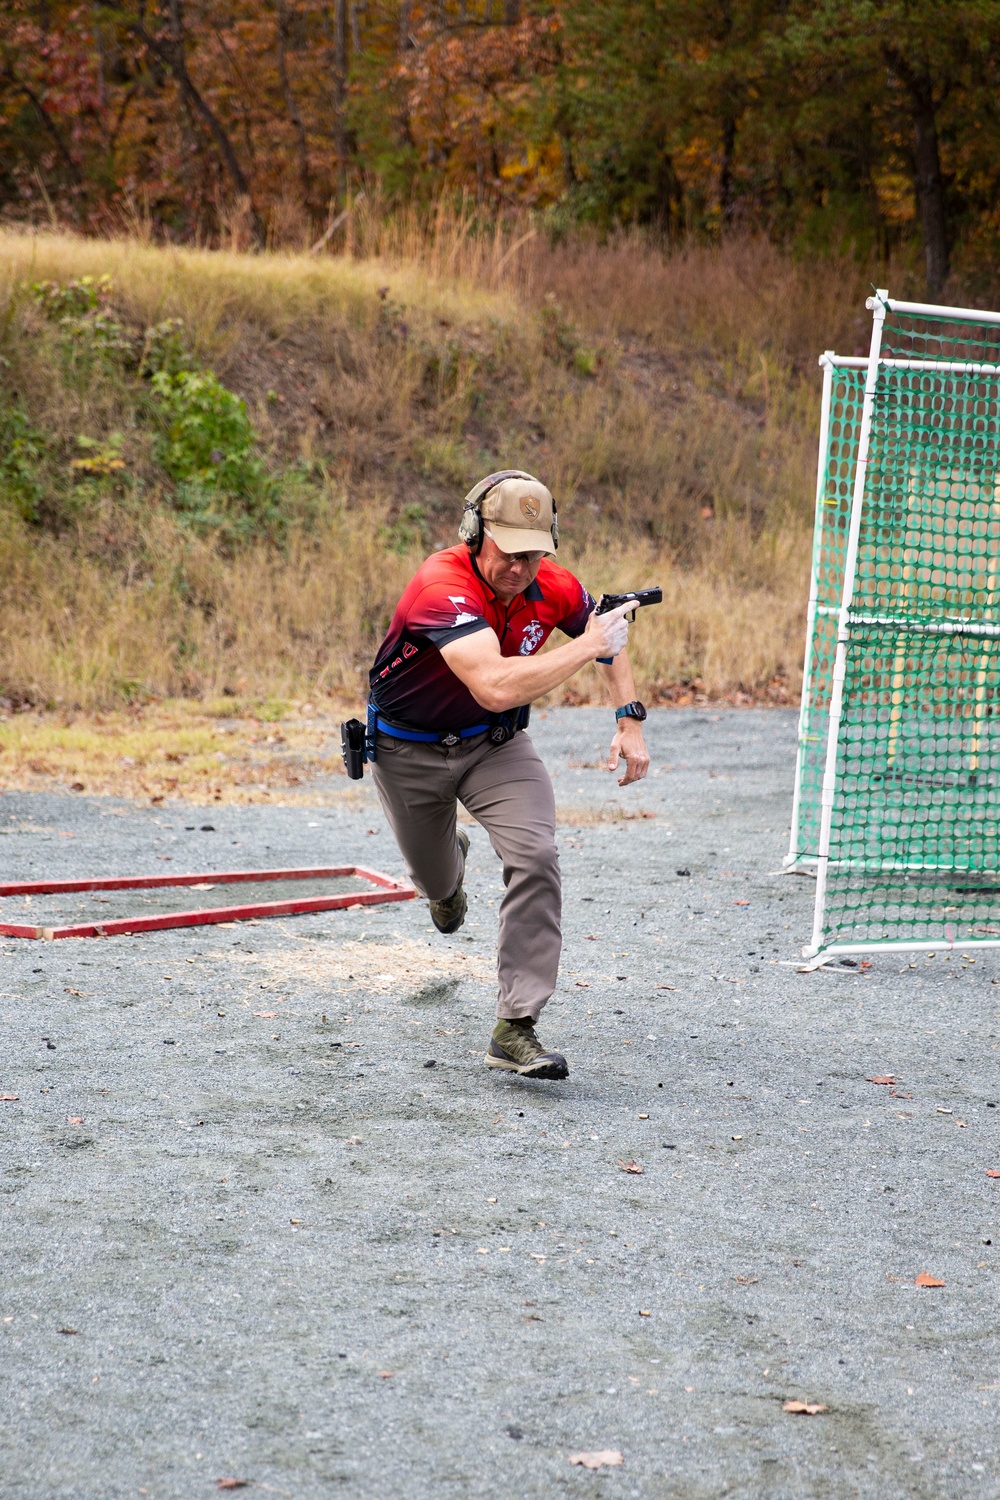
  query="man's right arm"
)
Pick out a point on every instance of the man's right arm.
point(503, 682)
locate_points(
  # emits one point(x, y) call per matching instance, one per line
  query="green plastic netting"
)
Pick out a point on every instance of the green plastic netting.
point(913, 825)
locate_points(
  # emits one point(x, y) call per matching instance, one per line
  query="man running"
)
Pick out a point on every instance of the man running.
point(448, 704)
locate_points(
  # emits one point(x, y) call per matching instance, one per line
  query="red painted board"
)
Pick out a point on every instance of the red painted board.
point(125, 925)
point(389, 890)
point(150, 882)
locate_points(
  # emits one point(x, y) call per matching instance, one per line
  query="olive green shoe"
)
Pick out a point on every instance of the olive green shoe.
point(449, 914)
point(515, 1048)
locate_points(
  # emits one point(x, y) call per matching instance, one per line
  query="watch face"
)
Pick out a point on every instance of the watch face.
point(634, 710)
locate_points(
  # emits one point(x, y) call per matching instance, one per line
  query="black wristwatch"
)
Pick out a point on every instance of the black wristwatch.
point(633, 710)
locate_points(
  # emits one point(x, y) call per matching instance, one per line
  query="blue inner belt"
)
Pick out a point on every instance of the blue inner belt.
point(426, 737)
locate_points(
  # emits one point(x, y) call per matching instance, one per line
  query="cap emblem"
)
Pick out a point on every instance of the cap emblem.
point(529, 507)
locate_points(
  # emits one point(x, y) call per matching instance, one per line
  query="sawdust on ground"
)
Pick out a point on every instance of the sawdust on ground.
point(381, 967)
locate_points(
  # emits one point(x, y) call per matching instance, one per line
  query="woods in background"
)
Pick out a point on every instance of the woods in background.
point(822, 122)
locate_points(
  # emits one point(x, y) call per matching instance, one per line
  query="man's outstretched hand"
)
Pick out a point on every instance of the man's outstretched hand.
point(628, 745)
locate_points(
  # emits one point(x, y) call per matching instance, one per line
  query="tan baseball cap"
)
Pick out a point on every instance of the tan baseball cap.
point(518, 513)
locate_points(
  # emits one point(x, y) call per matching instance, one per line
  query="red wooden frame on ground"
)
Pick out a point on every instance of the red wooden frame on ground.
point(387, 889)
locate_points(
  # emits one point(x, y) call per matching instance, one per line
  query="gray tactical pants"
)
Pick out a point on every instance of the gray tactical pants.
point(507, 789)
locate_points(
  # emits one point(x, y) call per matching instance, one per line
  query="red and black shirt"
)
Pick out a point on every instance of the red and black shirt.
point(447, 598)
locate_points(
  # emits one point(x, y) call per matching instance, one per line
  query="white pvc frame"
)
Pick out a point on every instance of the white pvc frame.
point(878, 305)
point(794, 855)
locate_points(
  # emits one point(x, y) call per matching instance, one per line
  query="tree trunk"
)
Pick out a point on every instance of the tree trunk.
point(726, 171)
point(295, 119)
point(927, 176)
point(337, 46)
point(173, 57)
point(511, 12)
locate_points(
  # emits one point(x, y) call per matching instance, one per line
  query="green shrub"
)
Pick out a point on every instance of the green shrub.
point(208, 447)
point(88, 331)
point(22, 453)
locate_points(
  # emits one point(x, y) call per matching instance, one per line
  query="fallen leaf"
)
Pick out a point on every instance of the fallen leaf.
point(666, 986)
point(78, 993)
point(385, 1374)
point(74, 1119)
point(232, 1484)
point(607, 1458)
point(804, 1408)
point(879, 1078)
point(202, 887)
point(631, 1166)
point(582, 984)
point(67, 1330)
point(990, 1171)
point(13, 1098)
point(926, 1279)
point(266, 1015)
point(741, 903)
point(747, 1280)
point(894, 1095)
point(532, 1318)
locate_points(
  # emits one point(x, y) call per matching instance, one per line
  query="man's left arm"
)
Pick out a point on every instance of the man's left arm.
point(628, 743)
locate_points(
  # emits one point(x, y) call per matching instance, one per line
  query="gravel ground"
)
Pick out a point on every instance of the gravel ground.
point(268, 1217)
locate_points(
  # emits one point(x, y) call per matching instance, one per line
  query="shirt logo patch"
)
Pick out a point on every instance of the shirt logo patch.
point(462, 616)
point(531, 637)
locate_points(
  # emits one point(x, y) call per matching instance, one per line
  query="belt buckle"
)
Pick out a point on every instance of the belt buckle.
point(450, 739)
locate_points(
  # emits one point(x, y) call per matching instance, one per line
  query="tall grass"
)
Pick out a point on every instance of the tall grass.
point(671, 402)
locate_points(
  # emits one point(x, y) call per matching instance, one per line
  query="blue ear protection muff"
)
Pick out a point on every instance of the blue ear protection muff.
point(471, 529)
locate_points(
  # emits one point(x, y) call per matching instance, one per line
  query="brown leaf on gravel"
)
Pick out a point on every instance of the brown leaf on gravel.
point(990, 1171)
point(607, 1458)
point(67, 1330)
point(926, 1279)
point(267, 1015)
point(9, 1098)
point(631, 1166)
point(894, 1095)
point(231, 1484)
point(747, 1280)
point(883, 1078)
point(804, 1408)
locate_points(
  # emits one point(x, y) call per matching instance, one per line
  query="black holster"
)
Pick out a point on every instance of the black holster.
point(503, 727)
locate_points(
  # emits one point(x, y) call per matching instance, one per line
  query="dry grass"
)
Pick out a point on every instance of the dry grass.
point(685, 458)
point(199, 754)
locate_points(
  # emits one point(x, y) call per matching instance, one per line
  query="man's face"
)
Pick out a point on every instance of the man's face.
point(507, 573)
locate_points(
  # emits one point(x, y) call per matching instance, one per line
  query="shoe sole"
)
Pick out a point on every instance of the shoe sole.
point(548, 1070)
point(451, 926)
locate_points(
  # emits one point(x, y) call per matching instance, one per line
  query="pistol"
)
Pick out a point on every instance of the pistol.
point(352, 748)
point(640, 597)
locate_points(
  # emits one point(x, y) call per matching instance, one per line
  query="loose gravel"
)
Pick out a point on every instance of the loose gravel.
point(267, 1216)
